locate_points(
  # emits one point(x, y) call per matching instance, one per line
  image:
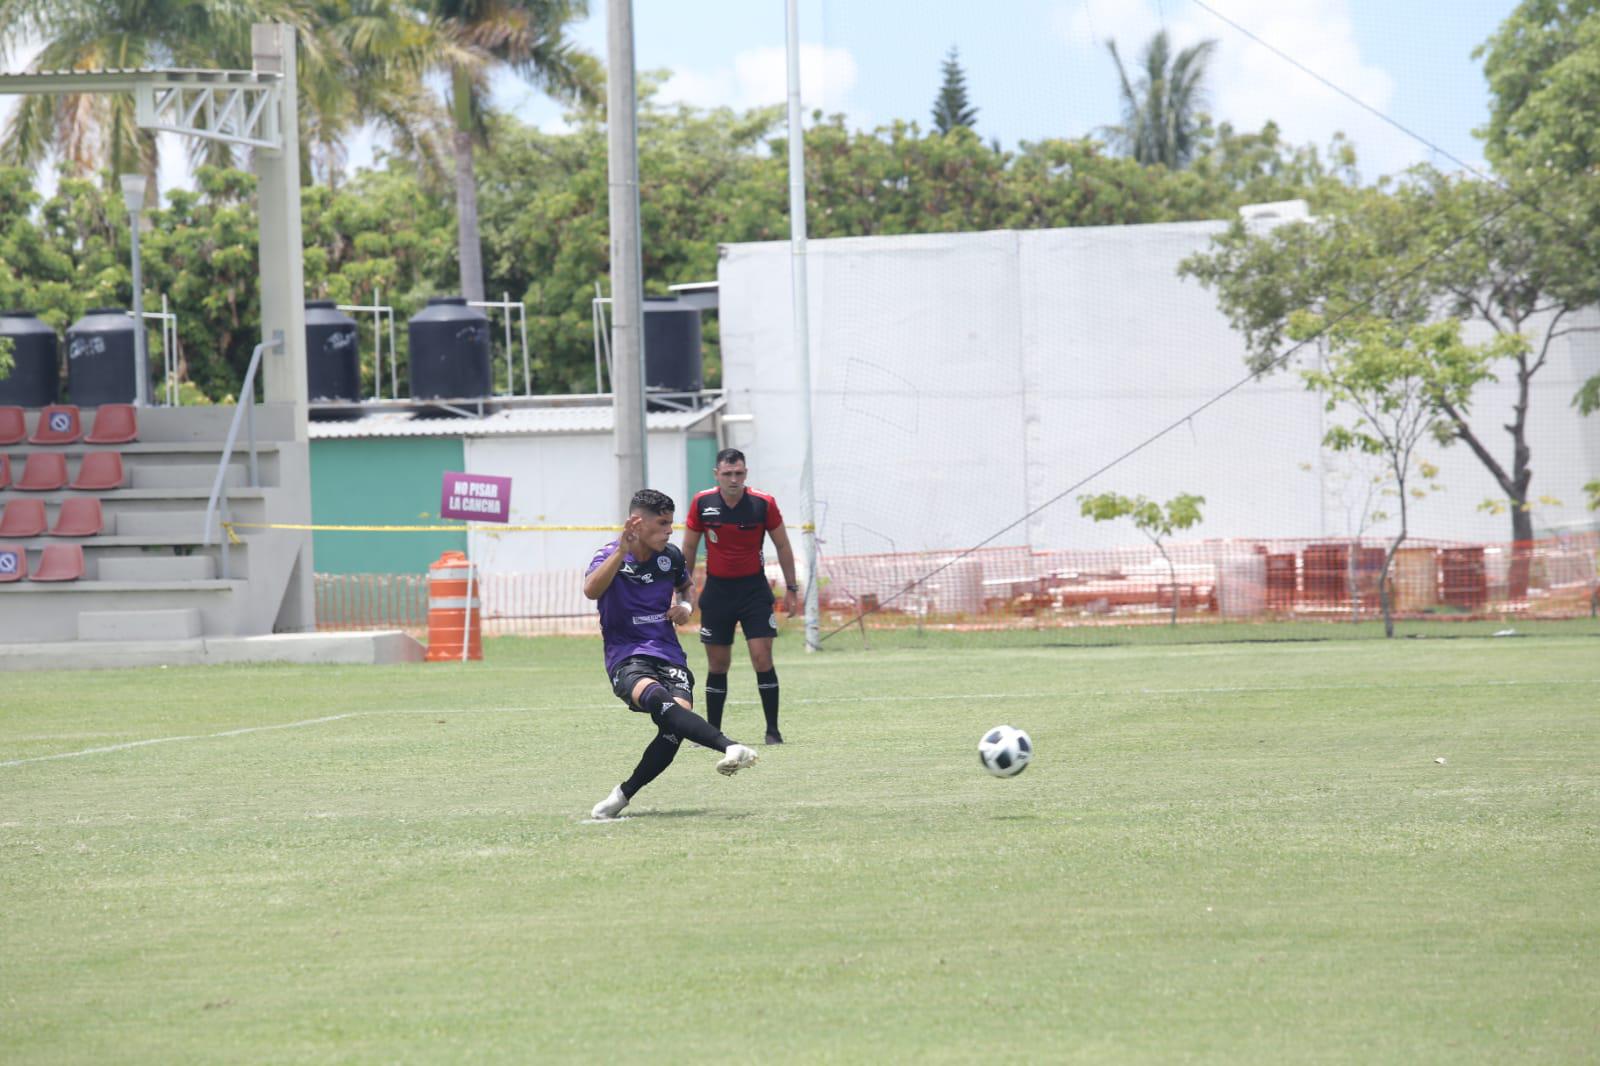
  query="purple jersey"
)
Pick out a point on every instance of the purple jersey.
point(633, 610)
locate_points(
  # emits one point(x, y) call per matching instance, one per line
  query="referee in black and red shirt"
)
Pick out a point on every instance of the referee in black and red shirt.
point(735, 522)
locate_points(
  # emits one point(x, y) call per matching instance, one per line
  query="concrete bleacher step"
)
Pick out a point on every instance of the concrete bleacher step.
point(178, 624)
point(161, 523)
point(159, 568)
point(183, 475)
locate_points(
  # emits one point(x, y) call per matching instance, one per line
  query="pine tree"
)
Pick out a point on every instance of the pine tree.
point(950, 107)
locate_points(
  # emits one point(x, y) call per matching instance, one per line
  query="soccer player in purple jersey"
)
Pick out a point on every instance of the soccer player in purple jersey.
point(633, 579)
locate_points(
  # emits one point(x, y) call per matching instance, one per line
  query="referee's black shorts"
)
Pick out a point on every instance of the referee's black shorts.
point(742, 601)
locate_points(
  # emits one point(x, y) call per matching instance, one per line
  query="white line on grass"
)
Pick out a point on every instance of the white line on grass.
point(257, 729)
point(922, 698)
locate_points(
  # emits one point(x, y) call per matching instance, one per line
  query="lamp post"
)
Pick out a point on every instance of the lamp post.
point(133, 196)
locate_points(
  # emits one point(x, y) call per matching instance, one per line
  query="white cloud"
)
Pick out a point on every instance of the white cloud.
point(758, 77)
point(1250, 84)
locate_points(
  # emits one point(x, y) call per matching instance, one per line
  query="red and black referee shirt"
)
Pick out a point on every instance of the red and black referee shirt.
point(734, 535)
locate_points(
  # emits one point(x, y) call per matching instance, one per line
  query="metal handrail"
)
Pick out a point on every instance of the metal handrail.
point(246, 409)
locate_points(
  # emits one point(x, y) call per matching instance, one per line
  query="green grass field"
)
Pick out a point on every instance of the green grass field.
point(1223, 853)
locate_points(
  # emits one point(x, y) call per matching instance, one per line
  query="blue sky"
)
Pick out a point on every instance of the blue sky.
point(1039, 68)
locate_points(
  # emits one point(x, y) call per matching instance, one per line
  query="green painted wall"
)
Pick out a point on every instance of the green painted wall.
point(702, 457)
point(384, 481)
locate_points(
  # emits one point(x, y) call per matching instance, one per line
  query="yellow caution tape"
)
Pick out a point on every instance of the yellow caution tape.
point(487, 527)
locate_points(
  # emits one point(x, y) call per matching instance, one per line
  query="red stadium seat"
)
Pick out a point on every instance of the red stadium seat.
point(98, 472)
point(13, 427)
point(5, 471)
point(13, 562)
point(44, 472)
point(22, 518)
point(114, 423)
point(80, 517)
point(58, 424)
point(59, 562)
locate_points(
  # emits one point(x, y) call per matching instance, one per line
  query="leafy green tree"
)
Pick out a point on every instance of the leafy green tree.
point(1430, 248)
point(1155, 521)
point(951, 108)
point(1389, 383)
point(1161, 110)
point(1543, 69)
point(707, 178)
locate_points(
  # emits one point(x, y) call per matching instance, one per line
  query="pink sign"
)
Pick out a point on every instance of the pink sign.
point(476, 498)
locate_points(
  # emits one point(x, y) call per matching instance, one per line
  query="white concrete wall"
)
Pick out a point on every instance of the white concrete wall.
point(961, 381)
point(561, 479)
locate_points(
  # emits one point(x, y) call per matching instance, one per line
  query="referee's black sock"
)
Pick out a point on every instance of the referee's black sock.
point(716, 696)
point(767, 685)
point(671, 717)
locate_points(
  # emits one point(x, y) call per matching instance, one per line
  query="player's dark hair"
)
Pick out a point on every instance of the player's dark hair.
point(729, 455)
point(649, 501)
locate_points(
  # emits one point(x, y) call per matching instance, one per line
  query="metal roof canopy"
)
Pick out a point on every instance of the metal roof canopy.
point(232, 106)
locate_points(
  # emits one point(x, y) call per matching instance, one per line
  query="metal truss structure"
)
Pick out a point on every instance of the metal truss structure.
point(232, 106)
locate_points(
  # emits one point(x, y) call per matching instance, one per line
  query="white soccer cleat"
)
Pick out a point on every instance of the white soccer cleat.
point(610, 807)
point(736, 758)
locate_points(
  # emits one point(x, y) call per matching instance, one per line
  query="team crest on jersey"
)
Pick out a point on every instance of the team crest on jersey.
point(711, 535)
point(663, 563)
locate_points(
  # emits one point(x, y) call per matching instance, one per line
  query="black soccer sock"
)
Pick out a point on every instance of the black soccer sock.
point(670, 716)
point(716, 696)
point(767, 685)
point(656, 758)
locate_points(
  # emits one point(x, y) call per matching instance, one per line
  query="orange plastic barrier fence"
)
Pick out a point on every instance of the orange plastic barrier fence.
point(1235, 580)
point(453, 610)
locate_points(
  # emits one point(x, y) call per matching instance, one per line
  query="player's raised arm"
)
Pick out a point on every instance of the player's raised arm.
point(599, 579)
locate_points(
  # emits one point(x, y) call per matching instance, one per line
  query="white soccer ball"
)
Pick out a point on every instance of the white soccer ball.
point(1005, 751)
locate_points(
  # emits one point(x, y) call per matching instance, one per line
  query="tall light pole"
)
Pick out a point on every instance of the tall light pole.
point(627, 262)
point(133, 196)
point(802, 315)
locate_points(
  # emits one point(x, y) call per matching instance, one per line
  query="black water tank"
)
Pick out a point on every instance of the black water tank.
point(449, 350)
point(671, 345)
point(100, 358)
point(35, 378)
point(333, 353)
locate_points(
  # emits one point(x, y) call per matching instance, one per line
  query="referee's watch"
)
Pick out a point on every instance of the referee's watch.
point(792, 588)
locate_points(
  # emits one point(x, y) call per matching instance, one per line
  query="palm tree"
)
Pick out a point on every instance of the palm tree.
point(370, 68)
point(91, 132)
point(475, 37)
point(1161, 113)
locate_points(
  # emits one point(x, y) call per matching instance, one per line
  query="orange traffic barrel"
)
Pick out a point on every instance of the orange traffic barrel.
point(453, 611)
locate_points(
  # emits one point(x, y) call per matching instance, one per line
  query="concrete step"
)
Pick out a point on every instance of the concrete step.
point(190, 524)
point(158, 568)
point(177, 624)
point(182, 475)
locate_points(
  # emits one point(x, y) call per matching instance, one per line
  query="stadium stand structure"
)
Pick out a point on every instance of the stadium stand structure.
point(138, 569)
